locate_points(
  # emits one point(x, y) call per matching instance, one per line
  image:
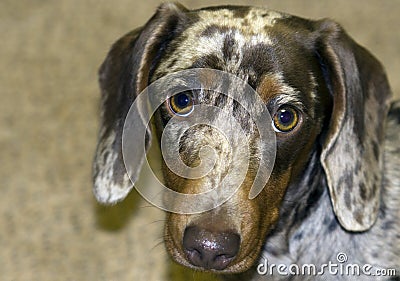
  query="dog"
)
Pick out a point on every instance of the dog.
point(333, 196)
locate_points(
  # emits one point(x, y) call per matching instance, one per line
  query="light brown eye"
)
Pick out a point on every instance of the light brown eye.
point(286, 119)
point(181, 104)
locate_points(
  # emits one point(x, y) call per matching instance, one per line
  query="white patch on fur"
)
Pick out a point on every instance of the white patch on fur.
point(106, 189)
point(197, 45)
point(255, 16)
point(272, 17)
point(314, 84)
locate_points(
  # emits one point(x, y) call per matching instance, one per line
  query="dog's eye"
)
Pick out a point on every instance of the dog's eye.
point(286, 119)
point(181, 104)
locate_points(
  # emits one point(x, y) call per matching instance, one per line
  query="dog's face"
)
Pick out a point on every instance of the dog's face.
point(255, 46)
point(295, 67)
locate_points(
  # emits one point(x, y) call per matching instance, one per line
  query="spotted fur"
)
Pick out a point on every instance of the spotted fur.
point(335, 186)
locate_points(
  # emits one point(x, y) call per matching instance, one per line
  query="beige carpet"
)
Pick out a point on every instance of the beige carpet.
point(51, 227)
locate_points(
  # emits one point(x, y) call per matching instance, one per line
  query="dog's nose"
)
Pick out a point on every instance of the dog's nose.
point(210, 250)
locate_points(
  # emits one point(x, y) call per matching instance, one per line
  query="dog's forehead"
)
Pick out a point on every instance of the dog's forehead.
point(208, 34)
point(245, 41)
point(258, 19)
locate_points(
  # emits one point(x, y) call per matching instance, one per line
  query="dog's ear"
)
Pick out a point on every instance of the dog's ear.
point(352, 154)
point(123, 75)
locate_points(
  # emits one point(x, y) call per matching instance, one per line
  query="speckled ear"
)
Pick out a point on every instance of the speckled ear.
point(352, 154)
point(123, 75)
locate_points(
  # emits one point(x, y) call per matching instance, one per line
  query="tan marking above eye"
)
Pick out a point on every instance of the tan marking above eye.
point(273, 84)
point(269, 87)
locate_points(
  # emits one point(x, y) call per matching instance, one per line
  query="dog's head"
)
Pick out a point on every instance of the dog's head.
point(327, 96)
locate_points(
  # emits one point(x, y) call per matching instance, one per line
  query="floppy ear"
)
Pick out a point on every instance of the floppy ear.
point(352, 154)
point(123, 75)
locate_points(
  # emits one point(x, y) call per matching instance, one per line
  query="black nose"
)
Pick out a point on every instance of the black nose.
point(210, 250)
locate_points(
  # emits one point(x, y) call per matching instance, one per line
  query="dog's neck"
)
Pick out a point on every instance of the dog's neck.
point(307, 224)
point(301, 200)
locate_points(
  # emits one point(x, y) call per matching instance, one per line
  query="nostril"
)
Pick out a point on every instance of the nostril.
point(194, 256)
point(210, 250)
point(223, 260)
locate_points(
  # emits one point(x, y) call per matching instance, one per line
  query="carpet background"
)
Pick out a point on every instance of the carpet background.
point(51, 226)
